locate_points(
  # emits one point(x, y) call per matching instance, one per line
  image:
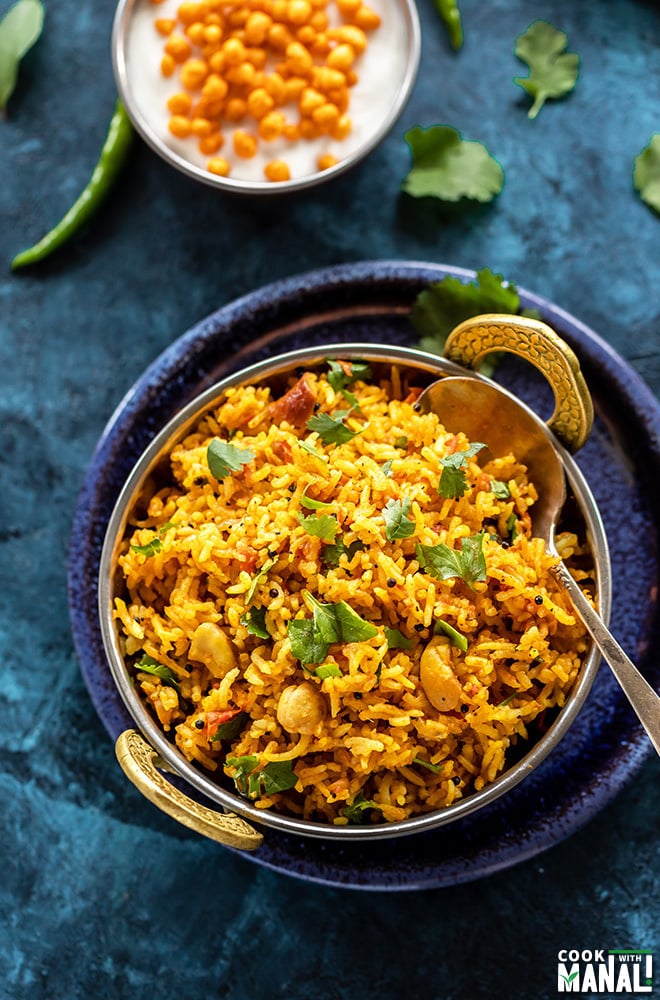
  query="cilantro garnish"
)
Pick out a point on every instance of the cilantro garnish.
point(323, 526)
point(447, 167)
point(354, 812)
point(442, 562)
point(512, 527)
point(331, 429)
point(311, 504)
point(155, 545)
point(397, 640)
point(500, 489)
point(436, 768)
point(311, 450)
point(229, 730)
point(646, 174)
point(224, 458)
point(452, 481)
point(553, 71)
point(331, 554)
point(397, 522)
point(150, 666)
point(328, 670)
point(250, 779)
point(457, 638)
point(256, 580)
point(254, 620)
point(386, 467)
point(311, 638)
point(445, 304)
point(344, 373)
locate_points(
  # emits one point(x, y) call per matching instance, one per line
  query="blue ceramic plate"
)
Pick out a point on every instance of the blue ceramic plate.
point(369, 302)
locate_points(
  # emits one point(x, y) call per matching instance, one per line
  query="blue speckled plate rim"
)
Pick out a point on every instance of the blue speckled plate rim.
point(283, 853)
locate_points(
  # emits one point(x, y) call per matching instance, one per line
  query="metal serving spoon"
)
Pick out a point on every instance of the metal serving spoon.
point(489, 414)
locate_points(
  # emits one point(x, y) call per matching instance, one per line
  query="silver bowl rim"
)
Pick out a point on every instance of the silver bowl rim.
point(174, 429)
point(236, 185)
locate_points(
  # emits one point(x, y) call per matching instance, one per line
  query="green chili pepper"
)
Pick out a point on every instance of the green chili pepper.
point(113, 155)
point(451, 15)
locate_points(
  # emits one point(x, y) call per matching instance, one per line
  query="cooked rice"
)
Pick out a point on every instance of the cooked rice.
point(381, 750)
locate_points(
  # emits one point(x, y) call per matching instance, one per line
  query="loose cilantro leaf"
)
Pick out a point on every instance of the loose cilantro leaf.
point(331, 429)
point(311, 504)
point(442, 562)
point(447, 167)
point(397, 640)
point(553, 72)
point(311, 639)
point(451, 16)
point(500, 489)
point(511, 527)
point(328, 670)
point(224, 458)
point(250, 779)
point(229, 730)
point(452, 481)
point(150, 666)
point(457, 638)
point(323, 526)
point(344, 373)
point(256, 580)
point(254, 621)
point(354, 812)
point(436, 768)
point(445, 304)
point(386, 467)
point(397, 522)
point(307, 644)
point(646, 175)
point(155, 545)
point(20, 28)
point(331, 554)
point(311, 450)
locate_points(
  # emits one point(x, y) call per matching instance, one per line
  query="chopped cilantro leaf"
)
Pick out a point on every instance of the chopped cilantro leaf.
point(344, 373)
point(150, 666)
point(354, 811)
point(311, 504)
point(311, 638)
point(254, 620)
point(228, 731)
point(447, 167)
point(331, 554)
point(442, 562)
point(457, 638)
point(397, 522)
point(386, 467)
point(256, 580)
point(511, 527)
point(397, 640)
point(150, 549)
point(323, 526)
point(250, 779)
point(646, 174)
point(553, 72)
point(500, 489)
point(311, 450)
point(452, 481)
point(224, 458)
point(331, 429)
point(436, 768)
point(328, 670)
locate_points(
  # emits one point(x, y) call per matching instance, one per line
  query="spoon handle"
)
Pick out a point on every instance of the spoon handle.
point(640, 694)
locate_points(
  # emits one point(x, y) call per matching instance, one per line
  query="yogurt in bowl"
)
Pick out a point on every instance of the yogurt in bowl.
point(377, 83)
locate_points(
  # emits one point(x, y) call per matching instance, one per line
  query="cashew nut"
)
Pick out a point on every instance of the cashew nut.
point(211, 647)
point(437, 676)
point(301, 707)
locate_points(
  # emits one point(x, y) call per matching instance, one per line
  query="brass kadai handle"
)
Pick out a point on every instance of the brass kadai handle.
point(138, 762)
point(470, 342)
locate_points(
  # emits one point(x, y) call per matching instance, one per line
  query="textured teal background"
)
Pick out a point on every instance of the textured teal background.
point(99, 894)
